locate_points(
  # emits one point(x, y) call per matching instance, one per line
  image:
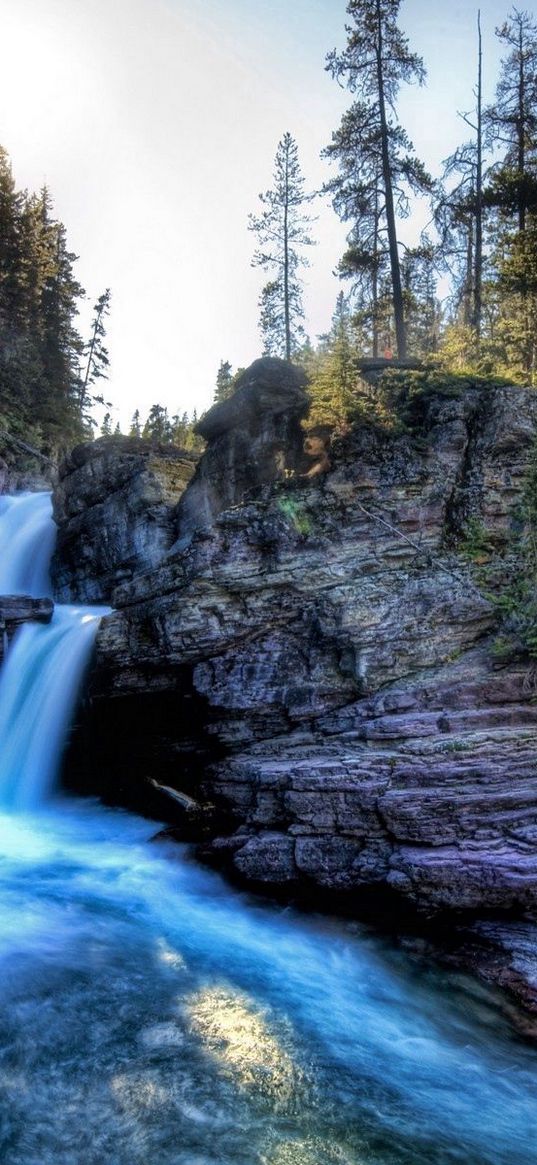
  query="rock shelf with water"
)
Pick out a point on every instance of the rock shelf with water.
point(317, 660)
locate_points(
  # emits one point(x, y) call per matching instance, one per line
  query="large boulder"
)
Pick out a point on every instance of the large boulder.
point(253, 439)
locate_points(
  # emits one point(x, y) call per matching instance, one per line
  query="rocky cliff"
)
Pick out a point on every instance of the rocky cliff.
point(114, 505)
point(254, 438)
point(317, 659)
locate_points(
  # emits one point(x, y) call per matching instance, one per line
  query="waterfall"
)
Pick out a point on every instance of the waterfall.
point(27, 536)
point(40, 679)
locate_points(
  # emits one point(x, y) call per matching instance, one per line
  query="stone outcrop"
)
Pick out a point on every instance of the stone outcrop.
point(115, 510)
point(121, 503)
point(18, 609)
point(253, 438)
point(317, 662)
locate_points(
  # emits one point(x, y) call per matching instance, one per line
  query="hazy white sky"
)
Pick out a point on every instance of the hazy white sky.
point(155, 124)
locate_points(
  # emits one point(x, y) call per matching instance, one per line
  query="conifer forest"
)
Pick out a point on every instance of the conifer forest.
point(462, 297)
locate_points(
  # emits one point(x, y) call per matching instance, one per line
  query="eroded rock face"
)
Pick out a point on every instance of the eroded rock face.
point(115, 509)
point(336, 651)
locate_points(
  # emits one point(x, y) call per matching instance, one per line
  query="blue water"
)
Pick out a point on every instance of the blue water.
point(27, 536)
point(150, 1015)
point(39, 685)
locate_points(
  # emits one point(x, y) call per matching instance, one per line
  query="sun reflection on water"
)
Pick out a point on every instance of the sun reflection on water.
point(236, 1033)
point(312, 1151)
point(169, 957)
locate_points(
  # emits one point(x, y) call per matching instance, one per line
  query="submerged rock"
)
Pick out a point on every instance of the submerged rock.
point(501, 952)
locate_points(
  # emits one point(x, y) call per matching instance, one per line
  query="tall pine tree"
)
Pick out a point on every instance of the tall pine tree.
point(378, 167)
point(333, 369)
point(512, 120)
point(224, 382)
point(40, 346)
point(282, 231)
point(512, 196)
point(95, 354)
point(459, 217)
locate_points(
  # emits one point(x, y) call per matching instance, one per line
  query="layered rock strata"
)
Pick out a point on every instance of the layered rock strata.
point(317, 661)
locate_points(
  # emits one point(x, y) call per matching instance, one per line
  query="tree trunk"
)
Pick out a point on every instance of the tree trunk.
point(478, 285)
point(16, 441)
point(375, 283)
point(521, 130)
point(397, 291)
point(468, 306)
point(286, 261)
point(85, 386)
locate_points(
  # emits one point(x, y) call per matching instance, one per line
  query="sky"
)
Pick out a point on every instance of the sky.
point(155, 124)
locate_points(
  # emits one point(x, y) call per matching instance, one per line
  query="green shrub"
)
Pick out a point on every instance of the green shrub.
point(294, 513)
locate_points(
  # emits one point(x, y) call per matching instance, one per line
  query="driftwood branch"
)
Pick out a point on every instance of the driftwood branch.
point(27, 448)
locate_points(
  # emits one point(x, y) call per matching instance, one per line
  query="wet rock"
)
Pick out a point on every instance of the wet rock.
point(501, 952)
point(268, 858)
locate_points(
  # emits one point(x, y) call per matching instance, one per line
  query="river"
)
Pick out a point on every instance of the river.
point(152, 1015)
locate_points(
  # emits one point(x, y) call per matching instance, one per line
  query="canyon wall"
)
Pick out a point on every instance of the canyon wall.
point(317, 660)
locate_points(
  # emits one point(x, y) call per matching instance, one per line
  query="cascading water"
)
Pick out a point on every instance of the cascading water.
point(39, 682)
point(150, 1014)
point(27, 535)
point(38, 688)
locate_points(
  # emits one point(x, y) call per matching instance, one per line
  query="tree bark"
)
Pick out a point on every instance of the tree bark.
point(469, 279)
point(397, 291)
point(286, 260)
point(521, 130)
point(375, 283)
point(478, 286)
